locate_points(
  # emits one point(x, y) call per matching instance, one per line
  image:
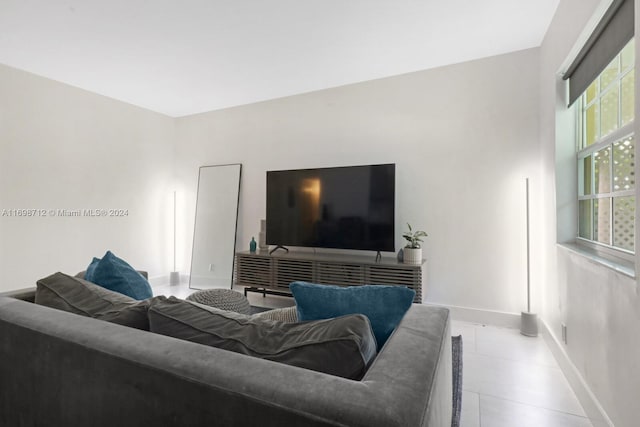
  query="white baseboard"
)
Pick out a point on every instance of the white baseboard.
point(489, 317)
point(585, 396)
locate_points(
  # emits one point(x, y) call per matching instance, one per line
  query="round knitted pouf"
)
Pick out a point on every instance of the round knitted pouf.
point(286, 314)
point(224, 299)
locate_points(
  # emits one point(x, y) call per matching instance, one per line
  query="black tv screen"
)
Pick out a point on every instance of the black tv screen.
point(342, 207)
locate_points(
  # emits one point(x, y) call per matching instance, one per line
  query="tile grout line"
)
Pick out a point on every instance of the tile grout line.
point(538, 365)
point(534, 406)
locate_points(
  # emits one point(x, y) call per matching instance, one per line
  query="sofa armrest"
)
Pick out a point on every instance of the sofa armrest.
point(26, 294)
point(416, 363)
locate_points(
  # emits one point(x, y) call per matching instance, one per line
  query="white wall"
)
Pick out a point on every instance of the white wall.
point(600, 307)
point(463, 137)
point(65, 148)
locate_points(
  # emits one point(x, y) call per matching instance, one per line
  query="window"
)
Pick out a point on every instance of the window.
point(605, 155)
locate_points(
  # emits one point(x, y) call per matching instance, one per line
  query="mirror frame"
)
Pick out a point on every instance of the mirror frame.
point(195, 222)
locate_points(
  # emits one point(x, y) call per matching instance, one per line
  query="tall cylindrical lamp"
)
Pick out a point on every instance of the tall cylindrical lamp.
point(174, 276)
point(528, 320)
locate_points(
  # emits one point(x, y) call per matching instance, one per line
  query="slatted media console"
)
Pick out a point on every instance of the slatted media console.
point(271, 274)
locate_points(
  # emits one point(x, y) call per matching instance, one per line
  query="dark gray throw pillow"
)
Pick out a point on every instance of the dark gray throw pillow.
point(81, 297)
point(343, 346)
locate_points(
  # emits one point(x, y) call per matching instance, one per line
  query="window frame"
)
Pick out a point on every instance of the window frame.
point(621, 133)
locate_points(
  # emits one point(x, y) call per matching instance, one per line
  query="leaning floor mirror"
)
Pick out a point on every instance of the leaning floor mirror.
point(214, 236)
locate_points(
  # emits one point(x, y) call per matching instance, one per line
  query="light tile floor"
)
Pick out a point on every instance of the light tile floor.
point(512, 380)
point(180, 291)
point(509, 380)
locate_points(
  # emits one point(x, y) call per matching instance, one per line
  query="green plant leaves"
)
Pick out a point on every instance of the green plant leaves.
point(413, 238)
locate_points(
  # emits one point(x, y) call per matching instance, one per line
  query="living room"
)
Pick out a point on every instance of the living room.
point(464, 137)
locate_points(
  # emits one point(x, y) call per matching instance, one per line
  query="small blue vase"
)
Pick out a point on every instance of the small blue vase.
point(252, 245)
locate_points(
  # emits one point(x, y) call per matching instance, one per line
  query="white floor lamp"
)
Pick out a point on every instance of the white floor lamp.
point(174, 276)
point(528, 320)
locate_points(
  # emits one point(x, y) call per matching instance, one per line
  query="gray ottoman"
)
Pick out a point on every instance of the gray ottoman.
point(286, 314)
point(224, 299)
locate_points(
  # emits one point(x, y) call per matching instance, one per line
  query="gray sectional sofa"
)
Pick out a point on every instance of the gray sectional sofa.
point(62, 369)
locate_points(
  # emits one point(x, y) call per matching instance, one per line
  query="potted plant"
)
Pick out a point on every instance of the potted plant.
point(413, 251)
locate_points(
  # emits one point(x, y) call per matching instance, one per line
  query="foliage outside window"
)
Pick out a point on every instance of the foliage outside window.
point(606, 179)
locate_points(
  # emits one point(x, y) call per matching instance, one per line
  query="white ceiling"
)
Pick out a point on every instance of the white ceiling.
point(181, 57)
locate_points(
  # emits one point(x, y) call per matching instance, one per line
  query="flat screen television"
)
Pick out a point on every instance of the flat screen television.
point(349, 207)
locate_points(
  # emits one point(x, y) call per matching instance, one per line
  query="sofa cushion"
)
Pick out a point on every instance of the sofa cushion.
point(383, 305)
point(81, 297)
point(344, 346)
point(117, 275)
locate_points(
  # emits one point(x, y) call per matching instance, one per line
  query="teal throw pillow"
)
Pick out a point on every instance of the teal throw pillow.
point(117, 275)
point(385, 306)
point(88, 275)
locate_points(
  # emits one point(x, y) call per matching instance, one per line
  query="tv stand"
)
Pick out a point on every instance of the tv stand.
point(278, 247)
point(271, 274)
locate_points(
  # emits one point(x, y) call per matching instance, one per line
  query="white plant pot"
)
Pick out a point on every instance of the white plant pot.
point(412, 255)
